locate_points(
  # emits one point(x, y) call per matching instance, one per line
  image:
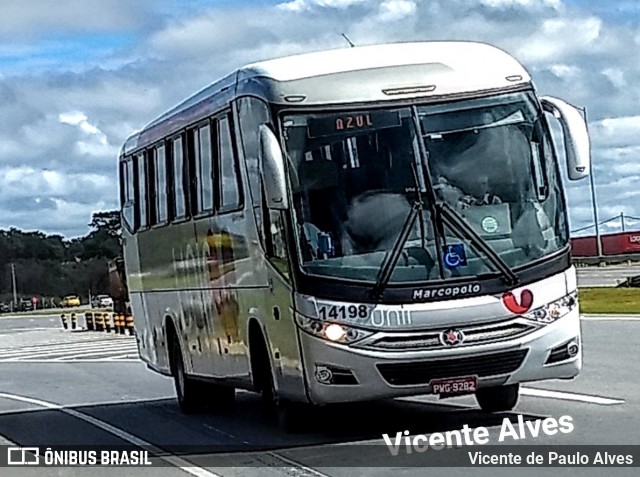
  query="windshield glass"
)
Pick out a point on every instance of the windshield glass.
point(492, 161)
point(355, 176)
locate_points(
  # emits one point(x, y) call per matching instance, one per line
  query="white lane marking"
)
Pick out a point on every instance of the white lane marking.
point(176, 461)
point(65, 344)
point(122, 357)
point(61, 355)
point(71, 345)
point(63, 347)
point(544, 393)
point(92, 404)
point(79, 360)
point(69, 350)
point(99, 352)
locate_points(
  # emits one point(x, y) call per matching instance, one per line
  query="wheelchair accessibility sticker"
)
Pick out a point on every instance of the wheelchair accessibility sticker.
point(454, 256)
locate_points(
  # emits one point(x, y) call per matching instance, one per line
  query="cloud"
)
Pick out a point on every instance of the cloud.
point(617, 132)
point(64, 112)
point(95, 143)
point(393, 10)
point(521, 3)
point(40, 18)
point(304, 5)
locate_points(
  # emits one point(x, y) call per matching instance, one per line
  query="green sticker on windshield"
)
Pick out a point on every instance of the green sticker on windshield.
point(490, 225)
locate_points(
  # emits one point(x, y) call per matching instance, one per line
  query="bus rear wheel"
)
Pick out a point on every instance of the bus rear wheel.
point(187, 390)
point(498, 398)
point(196, 396)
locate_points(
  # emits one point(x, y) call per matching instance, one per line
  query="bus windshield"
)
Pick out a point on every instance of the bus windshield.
point(356, 177)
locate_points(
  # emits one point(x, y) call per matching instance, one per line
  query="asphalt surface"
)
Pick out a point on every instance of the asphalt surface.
point(85, 388)
point(606, 276)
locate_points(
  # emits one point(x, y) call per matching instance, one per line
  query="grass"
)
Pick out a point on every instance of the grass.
point(610, 300)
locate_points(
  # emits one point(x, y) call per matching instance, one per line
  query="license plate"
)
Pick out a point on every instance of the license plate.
point(454, 386)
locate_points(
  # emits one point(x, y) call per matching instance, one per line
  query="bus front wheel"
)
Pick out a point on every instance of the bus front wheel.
point(286, 414)
point(498, 398)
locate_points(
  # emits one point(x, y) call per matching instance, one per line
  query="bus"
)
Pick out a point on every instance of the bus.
point(356, 224)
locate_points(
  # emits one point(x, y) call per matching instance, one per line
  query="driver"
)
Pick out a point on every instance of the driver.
point(374, 220)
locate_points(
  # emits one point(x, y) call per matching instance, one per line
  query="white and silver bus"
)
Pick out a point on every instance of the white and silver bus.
point(356, 224)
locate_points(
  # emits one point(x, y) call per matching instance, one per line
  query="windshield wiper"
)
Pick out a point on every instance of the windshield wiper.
point(455, 221)
point(391, 258)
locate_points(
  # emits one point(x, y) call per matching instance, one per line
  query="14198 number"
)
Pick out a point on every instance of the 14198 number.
point(343, 312)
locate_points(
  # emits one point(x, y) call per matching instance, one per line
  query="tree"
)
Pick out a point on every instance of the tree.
point(51, 266)
point(109, 221)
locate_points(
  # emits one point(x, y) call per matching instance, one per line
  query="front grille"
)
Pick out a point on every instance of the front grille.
point(422, 372)
point(490, 334)
point(473, 335)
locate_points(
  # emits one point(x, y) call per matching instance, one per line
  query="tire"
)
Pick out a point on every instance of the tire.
point(498, 398)
point(285, 414)
point(189, 392)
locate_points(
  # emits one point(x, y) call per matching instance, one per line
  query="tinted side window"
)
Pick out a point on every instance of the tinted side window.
point(201, 159)
point(252, 113)
point(127, 193)
point(141, 191)
point(150, 157)
point(230, 190)
point(206, 168)
point(178, 189)
point(160, 168)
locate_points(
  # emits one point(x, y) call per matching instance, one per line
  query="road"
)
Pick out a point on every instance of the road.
point(63, 388)
point(607, 276)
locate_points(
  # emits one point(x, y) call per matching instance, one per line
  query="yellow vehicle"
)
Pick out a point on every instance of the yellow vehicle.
point(70, 300)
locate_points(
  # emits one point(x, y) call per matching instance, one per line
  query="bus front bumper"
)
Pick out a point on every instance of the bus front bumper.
point(338, 373)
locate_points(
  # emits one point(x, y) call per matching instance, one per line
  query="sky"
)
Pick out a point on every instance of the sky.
point(76, 81)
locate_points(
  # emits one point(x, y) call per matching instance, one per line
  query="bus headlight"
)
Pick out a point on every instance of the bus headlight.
point(331, 331)
point(553, 311)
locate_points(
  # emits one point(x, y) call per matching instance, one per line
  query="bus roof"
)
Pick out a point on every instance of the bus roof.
point(454, 56)
point(351, 75)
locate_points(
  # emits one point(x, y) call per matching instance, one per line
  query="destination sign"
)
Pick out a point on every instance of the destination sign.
point(331, 124)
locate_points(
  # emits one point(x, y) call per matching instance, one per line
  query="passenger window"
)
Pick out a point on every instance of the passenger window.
point(179, 198)
point(230, 196)
point(160, 168)
point(127, 194)
point(141, 193)
point(201, 160)
point(276, 244)
point(206, 169)
point(252, 113)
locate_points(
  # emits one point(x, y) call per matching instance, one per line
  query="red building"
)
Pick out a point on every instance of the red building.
point(612, 244)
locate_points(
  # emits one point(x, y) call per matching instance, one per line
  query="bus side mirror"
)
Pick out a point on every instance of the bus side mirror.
point(272, 170)
point(575, 136)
